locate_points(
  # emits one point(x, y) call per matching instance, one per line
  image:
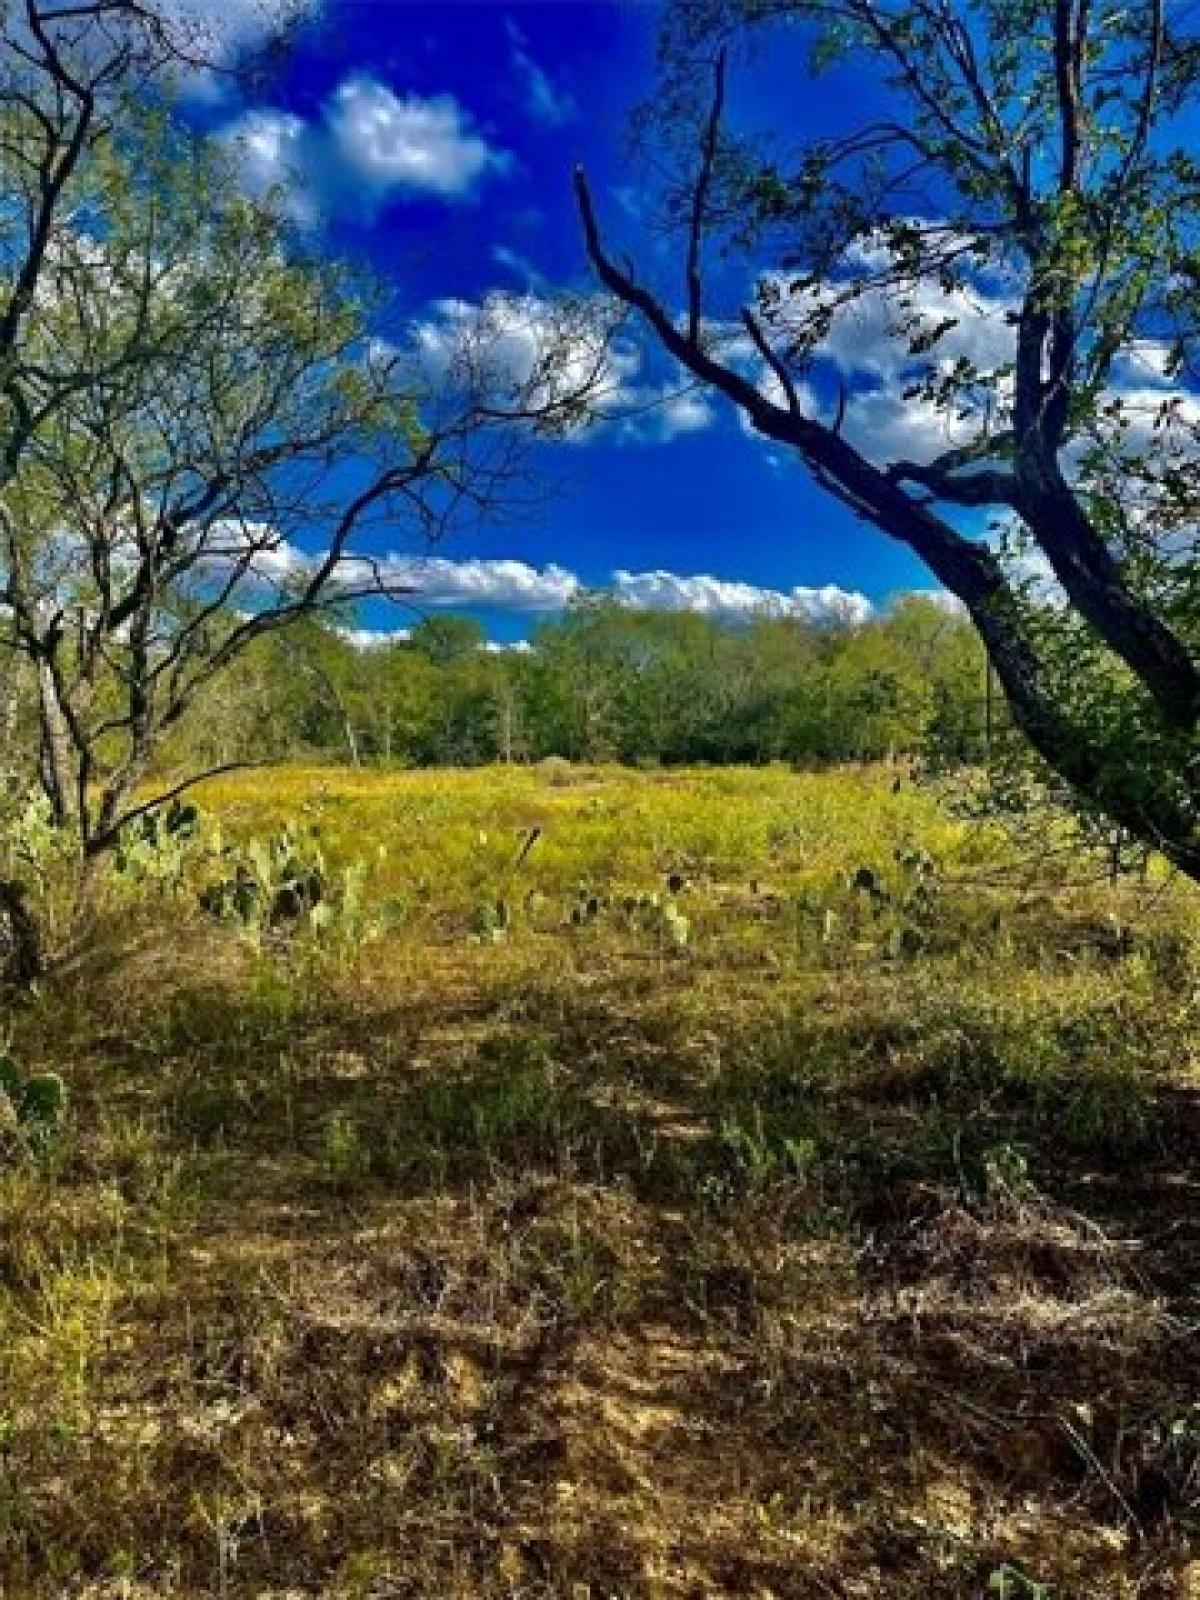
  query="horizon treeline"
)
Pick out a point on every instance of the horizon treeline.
point(600, 682)
point(603, 682)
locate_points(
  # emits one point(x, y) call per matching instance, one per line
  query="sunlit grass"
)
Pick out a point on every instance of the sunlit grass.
point(608, 823)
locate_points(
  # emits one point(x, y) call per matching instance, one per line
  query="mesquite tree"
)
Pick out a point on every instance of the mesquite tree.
point(208, 393)
point(975, 323)
point(200, 422)
point(66, 68)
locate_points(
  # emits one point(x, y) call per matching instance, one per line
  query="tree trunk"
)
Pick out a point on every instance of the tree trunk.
point(21, 959)
point(57, 767)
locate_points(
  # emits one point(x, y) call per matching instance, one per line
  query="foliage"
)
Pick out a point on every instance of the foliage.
point(158, 847)
point(606, 682)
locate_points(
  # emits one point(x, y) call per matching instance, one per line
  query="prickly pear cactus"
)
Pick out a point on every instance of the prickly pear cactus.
point(33, 1108)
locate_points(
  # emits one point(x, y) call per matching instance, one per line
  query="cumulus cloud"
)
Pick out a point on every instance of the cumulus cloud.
point(886, 338)
point(871, 332)
point(1146, 363)
point(886, 428)
point(729, 600)
point(523, 348)
point(517, 587)
point(487, 585)
point(211, 35)
point(434, 581)
point(658, 414)
point(369, 145)
point(207, 41)
point(1159, 415)
point(394, 142)
point(365, 639)
point(374, 638)
point(925, 366)
point(542, 353)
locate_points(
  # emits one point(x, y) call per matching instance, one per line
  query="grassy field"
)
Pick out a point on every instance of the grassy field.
point(745, 1184)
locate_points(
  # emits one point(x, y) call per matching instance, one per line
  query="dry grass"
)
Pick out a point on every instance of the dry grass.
point(790, 1261)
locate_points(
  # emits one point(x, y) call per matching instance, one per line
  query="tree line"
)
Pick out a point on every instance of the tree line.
point(603, 682)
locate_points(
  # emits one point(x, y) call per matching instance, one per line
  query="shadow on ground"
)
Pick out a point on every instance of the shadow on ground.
point(498, 1296)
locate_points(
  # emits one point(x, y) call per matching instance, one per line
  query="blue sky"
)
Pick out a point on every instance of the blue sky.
point(436, 142)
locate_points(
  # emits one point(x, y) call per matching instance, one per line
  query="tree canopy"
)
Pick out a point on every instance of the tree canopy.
point(603, 682)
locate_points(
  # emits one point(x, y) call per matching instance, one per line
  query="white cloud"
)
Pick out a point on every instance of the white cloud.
point(870, 333)
point(545, 101)
point(391, 142)
point(523, 348)
point(539, 352)
point(374, 638)
point(729, 600)
point(383, 638)
point(1145, 363)
point(742, 356)
point(890, 338)
point(271, 154)
point(256, 546)
point(886, 428)
point(205, 41)
point(658, 415)
point(439, 582)
point(369, 144)
point(1164, 417)
point(436, 581)
point(866, 332)
point(521, 267)
point(272, 565)
point(488, 585)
